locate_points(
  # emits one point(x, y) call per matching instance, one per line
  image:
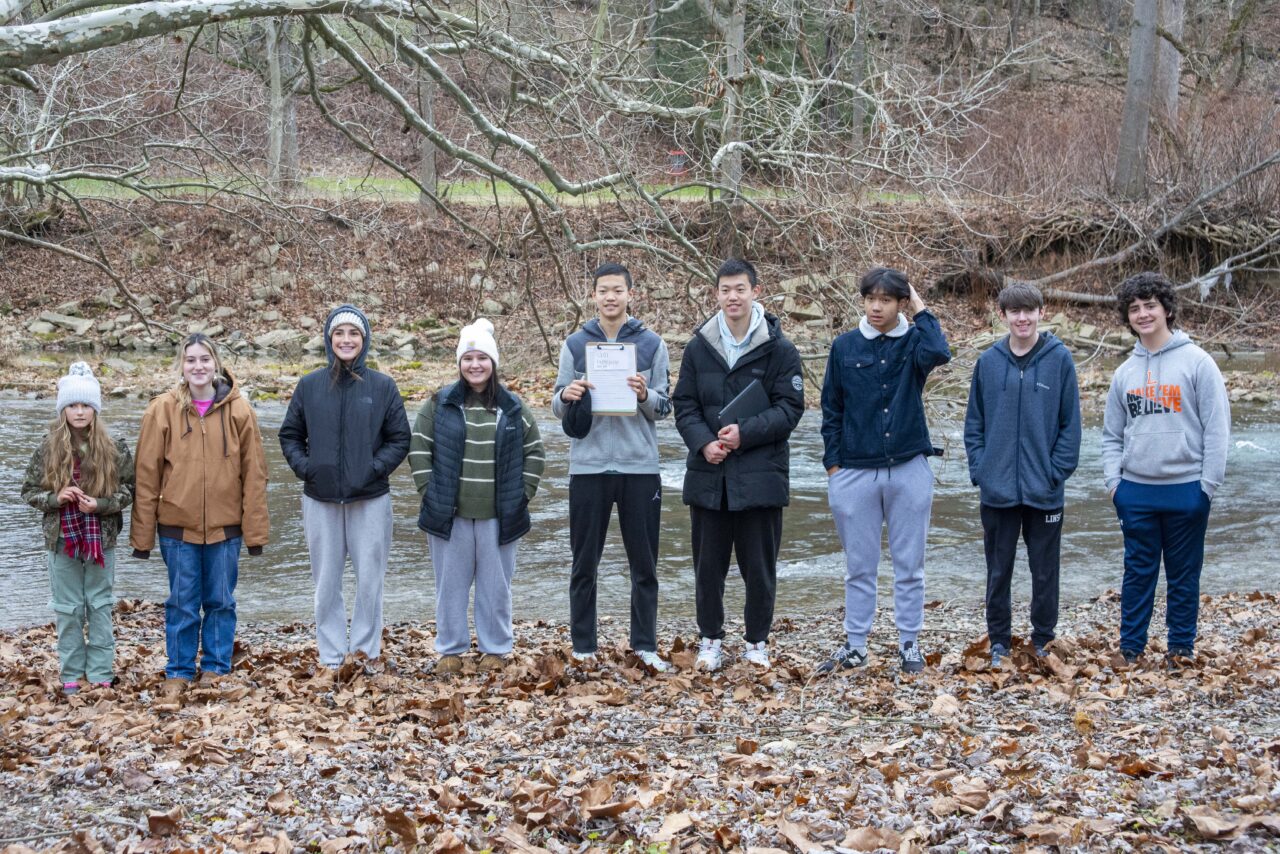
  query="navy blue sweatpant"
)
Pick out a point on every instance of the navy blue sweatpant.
point(1168, 521)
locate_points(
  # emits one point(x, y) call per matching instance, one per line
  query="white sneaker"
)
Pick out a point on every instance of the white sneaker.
point(584, 657)
point(652, 659)
point(757, 654)
point(710, 656)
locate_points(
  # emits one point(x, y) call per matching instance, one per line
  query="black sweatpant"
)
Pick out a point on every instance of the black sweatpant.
point(591, 500)
point(1042, 531)
point(754, 536)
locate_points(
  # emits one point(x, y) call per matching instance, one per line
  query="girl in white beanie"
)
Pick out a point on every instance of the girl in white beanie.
point(477, 460)
point(81, 481)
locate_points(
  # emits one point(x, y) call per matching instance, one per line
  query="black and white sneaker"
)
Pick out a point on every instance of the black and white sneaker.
point(912, 658)
point(846, 657)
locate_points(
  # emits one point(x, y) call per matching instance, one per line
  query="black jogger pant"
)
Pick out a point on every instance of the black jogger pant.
point(1042, 531)
point(591, 500)
point(754, 536)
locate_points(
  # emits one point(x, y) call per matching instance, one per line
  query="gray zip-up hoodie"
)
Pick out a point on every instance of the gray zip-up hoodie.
point(621, 444)
point(1168, 418)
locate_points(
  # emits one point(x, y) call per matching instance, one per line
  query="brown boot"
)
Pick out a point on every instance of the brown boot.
point(172, 690)
point(490, 662)
point(210, 680)
point(448, 665)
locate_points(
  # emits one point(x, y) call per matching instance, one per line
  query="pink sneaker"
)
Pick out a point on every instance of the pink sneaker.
point(70, 688)
point(106, 684)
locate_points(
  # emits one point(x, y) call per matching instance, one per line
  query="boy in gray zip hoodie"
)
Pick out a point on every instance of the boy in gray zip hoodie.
point(615, 463)
point(1164, 453)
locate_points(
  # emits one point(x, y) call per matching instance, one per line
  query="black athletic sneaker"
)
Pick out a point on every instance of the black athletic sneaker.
point(1178, 657)
point(912, 658)
point(846, 657)
point(1131, 656)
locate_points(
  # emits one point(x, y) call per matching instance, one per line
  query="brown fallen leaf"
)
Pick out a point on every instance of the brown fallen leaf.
point(135, 781)
point(945, 706)
point(164, 823)
point(612, 810)
point(871, 839)
point(280, 803)
point(795, 833)
point(1209, 823)
point(402, 825)
point(674, 824)
point(747, 746)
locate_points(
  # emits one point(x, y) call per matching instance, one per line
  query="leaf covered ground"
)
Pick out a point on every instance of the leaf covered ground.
point(1072, 751)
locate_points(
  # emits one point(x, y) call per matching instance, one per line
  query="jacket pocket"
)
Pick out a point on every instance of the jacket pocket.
point(1156, 454)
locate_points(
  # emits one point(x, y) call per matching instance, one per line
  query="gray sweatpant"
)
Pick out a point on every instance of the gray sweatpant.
point(361, 529)
point(472, 555)
point(862, 500)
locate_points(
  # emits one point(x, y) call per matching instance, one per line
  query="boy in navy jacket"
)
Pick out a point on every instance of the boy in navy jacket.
point(1022, 437)
point(876, 452)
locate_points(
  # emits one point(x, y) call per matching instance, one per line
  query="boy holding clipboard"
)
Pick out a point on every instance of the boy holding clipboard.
point(616, 460)
point(739, 396)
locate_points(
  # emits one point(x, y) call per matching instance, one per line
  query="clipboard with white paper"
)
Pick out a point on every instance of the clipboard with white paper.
point(609, 365)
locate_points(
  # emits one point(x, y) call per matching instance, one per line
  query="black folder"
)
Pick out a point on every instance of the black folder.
point(752, 400)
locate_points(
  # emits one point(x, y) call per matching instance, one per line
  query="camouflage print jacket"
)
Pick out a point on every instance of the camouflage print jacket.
point(110, 507)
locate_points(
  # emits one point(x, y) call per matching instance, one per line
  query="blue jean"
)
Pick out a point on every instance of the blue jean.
point(200, 577)
point(1169, 521)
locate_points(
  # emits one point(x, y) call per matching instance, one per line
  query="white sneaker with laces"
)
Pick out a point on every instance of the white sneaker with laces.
point(710, 656)
point(584, 657)
point(652, 659)
point(757, 654)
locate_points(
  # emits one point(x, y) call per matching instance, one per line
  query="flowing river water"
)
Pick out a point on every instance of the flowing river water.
point(276, 587)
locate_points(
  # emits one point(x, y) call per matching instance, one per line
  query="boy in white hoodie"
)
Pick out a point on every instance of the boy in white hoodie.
point(1164, 452)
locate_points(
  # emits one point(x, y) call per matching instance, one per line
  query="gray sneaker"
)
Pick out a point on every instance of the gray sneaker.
point(998, 653)
point(912, 659)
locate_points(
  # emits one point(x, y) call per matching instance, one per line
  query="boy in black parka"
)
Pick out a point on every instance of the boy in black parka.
point(737, 477)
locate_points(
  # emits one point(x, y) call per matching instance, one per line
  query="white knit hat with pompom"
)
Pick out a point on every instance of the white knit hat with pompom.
point(79, 386)
point(478, 336)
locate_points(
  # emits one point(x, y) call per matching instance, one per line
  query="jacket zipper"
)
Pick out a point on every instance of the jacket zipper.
point(204, 486)
point(342, 442)
point(1017, 459)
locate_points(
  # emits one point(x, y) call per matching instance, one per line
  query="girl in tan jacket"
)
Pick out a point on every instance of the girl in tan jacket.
point(202, 488)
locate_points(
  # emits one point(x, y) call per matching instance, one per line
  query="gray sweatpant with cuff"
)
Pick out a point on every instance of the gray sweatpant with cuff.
point(361, 529)
point(862, 501)
point(470, 556)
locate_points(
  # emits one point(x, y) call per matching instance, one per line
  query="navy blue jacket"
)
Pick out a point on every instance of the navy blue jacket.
point(872, 404)
point(757, 474)
point(440, 500)
point(1022, 428)
point(344, 438)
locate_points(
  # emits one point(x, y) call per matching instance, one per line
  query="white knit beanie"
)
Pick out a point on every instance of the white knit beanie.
point(346, 317)
point(79, 386)
point(478, 336)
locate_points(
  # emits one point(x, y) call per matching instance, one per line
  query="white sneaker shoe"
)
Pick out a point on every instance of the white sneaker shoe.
point(652, 659)
point(584, 657)
point(710, 657)
point(757, 654)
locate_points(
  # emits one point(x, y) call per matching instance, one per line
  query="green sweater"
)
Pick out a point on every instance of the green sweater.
point(476, 486)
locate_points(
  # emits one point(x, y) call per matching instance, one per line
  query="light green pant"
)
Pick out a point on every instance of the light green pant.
point(81, 594)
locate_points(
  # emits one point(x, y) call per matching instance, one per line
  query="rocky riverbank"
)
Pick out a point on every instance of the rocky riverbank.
point(1074, 751)
point(134, 359)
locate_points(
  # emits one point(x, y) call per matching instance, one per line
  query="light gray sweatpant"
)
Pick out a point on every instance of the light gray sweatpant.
point(361, 529)
point(472, 555)
point(862, 500)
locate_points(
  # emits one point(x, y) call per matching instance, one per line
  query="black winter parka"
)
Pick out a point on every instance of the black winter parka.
point(343, 438)
point(756, 475)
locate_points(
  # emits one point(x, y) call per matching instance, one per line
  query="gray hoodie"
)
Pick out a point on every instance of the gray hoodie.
point(626, 444)
point(1168, 418)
